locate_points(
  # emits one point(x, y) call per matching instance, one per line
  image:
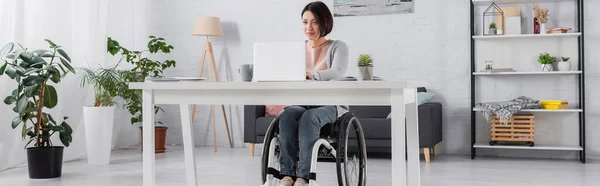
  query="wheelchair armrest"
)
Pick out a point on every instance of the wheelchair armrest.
point(251, 113)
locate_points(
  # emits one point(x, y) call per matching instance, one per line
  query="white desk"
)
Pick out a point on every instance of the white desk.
point(401, 95)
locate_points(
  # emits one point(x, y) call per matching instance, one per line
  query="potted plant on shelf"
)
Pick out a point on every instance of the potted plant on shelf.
point(35, 71)
point(143, 68)
point(565, 64)
point(493, 30)
point(546, 60)
point(365, 67)
point(541, 15)
point(99, 117)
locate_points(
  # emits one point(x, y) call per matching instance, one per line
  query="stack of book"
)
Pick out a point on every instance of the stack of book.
point(554, 104)
point(498, 70)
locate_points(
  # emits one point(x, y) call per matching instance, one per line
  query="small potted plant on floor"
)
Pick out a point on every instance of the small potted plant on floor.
point(99, 117)
point(546, 60)
point(143, 68)
point(34, 72)
point(493, 29)
point(365, 67)
point(564, 65)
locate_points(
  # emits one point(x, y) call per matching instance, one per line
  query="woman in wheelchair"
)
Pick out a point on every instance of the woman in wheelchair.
point(300, 126)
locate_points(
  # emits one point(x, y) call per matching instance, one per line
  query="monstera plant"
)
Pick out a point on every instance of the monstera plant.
point(35, 71)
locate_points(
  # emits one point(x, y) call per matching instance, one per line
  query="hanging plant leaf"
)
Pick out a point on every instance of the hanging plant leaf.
point(68, 131)
point(50, 97)
point(24, 131)
point(15, 122)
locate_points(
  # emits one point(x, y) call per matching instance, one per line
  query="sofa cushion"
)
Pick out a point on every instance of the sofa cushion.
point(262, 125)
point(370, 111)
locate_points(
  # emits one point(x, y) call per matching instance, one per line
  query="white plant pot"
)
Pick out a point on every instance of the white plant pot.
point(543, 29)
point(564, 66)
point(366, 73)
point(99, 122)
point(547, 67)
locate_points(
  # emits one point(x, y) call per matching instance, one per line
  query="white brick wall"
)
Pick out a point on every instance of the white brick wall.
point(431, 44)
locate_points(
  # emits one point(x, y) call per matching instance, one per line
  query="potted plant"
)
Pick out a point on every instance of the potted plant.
point(546, 60)
point(565, 64)
point(99, 117)
point(541, 15)
point(493, 30)
point(143, 68)
point(35, 71)
point(365, 67)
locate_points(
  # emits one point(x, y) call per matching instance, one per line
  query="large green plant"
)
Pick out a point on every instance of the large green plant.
point(34, 71)
point(144, 67)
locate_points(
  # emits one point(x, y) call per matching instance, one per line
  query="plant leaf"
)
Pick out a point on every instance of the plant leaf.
point(3, 68)
point(26, 57)
point(22, 104)
point(16, 121)
point(30, 91)
point(66, 64)
point(24, 132)
point(67, 128)
point(11, 72)
point(6, 49)
point(52, 44)
point(10, 100)
point(64, 139)
point(64, 54)
point(50, 97)
point(32, 80)
point(56, 128)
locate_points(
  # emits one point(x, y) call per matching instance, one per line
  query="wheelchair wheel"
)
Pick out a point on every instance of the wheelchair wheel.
point(351, 155)
point(271, 137)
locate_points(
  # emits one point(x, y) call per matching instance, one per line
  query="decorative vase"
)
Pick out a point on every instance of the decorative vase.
point(547, 68)
point(366, 73)
point(543, 28)
point(99, 122)
point(564, 66)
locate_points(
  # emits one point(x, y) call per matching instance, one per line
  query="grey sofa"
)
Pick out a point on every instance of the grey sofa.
point(374, 121)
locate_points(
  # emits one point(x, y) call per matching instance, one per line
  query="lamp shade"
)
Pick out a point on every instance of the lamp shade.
point(208, 26)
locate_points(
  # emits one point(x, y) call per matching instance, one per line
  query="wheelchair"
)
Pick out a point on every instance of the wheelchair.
point(341, 142)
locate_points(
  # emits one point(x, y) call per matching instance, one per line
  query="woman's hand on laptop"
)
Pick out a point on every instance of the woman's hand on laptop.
point(309, 76)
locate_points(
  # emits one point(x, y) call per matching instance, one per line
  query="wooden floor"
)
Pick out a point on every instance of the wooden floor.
point(230, 167)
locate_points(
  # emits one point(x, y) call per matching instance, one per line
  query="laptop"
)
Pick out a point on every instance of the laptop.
point(279, 61)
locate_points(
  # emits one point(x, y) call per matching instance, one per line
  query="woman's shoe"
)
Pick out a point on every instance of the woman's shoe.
point(301, 182)
point(287, 181)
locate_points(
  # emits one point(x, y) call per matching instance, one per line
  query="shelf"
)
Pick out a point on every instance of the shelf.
point(536, 147)
point(526, 73)
point(574, 35)
point(499, 2)
point(545, 110)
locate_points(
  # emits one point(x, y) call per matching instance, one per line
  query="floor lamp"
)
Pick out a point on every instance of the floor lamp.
point(210, 26)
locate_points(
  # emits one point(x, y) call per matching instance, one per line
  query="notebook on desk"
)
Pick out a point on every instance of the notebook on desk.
point(279, 61)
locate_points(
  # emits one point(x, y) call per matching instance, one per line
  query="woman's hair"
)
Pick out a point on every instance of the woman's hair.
point(323, 16)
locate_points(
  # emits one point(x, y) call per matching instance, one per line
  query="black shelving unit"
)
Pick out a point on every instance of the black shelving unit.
point(581, 67)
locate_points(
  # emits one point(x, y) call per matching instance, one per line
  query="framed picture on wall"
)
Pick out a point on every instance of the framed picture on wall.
point(343, 8)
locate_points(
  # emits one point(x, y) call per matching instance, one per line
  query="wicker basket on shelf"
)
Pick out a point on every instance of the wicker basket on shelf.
point(520, 128)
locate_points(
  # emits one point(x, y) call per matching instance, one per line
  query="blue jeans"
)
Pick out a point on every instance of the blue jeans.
point(299, 129)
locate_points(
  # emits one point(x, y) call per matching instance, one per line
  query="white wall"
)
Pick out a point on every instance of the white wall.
point(432, 44)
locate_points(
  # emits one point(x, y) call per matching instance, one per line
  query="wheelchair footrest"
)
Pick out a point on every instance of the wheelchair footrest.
point(274, 172)
point(312, 176)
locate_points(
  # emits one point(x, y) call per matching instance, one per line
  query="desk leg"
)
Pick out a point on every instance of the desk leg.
point(412, 137)
point(188, 145)
point(398, 138)
point(148, 140)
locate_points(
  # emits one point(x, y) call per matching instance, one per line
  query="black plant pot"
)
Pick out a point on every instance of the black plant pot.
point(45, 162)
